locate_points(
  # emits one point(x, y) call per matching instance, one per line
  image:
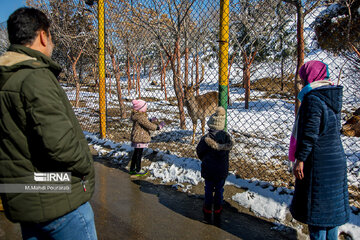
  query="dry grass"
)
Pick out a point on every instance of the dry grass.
point(275, 86)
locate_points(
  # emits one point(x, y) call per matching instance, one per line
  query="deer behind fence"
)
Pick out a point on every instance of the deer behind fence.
point(199, 107)
point(352, 126)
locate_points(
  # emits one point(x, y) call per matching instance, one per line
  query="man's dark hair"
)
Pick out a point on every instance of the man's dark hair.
point(24, 24)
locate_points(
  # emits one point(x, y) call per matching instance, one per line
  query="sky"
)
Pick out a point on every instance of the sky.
point(8, 7)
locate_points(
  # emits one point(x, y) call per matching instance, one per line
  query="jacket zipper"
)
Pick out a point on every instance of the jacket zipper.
point(83, 183)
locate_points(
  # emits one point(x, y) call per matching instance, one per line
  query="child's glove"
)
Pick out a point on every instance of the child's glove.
point(161, 125)
point(153, 119)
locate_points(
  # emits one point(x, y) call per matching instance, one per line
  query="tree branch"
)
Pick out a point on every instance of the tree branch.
point(312, 8)
point(293, 2)
point(355, 49)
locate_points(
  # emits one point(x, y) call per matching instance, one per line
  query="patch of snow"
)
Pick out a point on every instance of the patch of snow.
point(259, 196)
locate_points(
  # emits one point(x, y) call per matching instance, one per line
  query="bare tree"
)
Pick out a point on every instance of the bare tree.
point(167, 28)
point(251, 30)
point(72, 25)
point(163, 67)
point(117, 73)
point(303, 8)
point(200, 35)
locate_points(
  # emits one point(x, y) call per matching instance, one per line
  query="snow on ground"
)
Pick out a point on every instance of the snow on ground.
point(268, 122)
point(260, 197)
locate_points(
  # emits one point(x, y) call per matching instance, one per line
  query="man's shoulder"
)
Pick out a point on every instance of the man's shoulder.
point(13, 61)
point(9, 59)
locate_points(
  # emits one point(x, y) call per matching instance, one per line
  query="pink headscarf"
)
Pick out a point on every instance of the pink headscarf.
point(139, 105)
point(310, 72)
point(313, 71)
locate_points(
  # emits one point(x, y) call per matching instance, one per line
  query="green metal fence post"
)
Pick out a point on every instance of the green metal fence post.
point(224, 55)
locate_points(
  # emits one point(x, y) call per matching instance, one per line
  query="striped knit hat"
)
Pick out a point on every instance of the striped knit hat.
point(217, 120)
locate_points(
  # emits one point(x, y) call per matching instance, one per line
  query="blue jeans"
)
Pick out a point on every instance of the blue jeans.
point(214, 193)
point(323, 233)
point(78, 224)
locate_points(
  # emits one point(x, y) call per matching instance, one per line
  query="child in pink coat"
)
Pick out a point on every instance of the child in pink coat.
point(140, 134)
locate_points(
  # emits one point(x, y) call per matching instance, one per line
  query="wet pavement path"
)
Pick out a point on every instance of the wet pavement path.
point(135, 209)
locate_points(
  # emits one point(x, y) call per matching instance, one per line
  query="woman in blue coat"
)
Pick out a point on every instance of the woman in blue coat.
point(321, 193)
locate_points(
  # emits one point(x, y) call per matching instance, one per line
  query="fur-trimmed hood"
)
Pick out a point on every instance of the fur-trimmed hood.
point(12, 58)
point(227, 146)
point(214, 150)
point(20, 57)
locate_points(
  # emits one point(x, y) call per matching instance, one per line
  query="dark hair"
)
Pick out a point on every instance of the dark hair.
point(24, 24)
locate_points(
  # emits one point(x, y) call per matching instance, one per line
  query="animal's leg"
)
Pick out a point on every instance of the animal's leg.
point(203, 126)
point(194, 131)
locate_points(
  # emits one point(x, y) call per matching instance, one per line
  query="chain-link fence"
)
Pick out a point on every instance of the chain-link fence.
point(167, 53)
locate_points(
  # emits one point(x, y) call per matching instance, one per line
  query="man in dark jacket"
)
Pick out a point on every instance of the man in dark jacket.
point(321, 194)
point(40, 134)
point(213, 150)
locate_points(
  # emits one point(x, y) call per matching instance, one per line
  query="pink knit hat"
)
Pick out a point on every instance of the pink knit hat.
point(139, 105)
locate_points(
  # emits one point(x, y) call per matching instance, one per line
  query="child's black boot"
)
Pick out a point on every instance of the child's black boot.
point(207, 214)
point(217, 215)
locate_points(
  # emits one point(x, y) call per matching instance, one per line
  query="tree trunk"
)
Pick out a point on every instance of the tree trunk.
point(282, 73)
point(300, 52)
point(134, 67)
point(81, 80)
point(186, 78)
point(138, 76)
point(163, 73)
point(282, 60)
point(174, 59)
point(128, 74)
point(178, 69)
point(77, 84)
point(246, 75)
point(192, 72)
point(161, 70)
point(95, 77)
point(177, 83)
point(150, 71)
point(118, 86)
point(110, 82)
point(355, 50)
point(74, 61)
point(230, 65)
point(197, 77)
point(164, 84)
